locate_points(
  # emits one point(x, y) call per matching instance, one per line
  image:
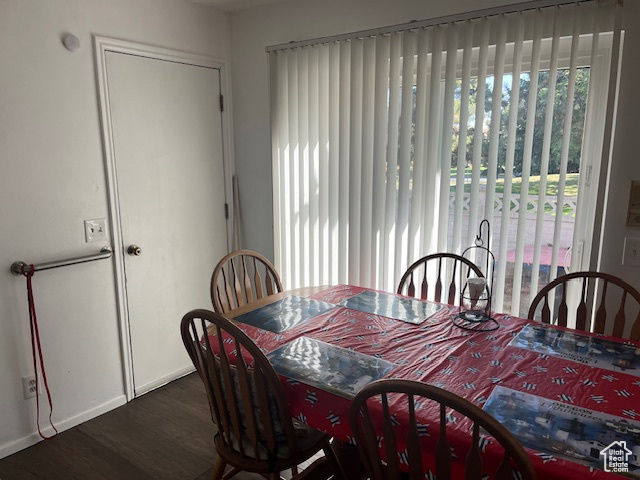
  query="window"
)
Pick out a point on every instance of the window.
point(394, 145)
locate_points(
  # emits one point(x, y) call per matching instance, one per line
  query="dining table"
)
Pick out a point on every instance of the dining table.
point(570, 398)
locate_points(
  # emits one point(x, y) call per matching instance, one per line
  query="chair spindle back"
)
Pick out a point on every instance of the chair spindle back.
point(613, 302)
point(245, 395)
point(375, 430)
point(437, 273)
point(242, 277)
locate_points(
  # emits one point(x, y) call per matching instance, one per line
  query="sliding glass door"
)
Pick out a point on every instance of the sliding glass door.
point(391, 146)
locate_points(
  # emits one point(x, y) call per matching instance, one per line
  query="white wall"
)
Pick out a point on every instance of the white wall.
point(625, 164)
point(52, 179)
point(255, 29)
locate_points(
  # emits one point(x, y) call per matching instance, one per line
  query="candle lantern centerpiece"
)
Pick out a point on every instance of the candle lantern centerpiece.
point(474, 312)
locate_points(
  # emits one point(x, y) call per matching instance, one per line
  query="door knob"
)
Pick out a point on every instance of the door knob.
point(134, 250)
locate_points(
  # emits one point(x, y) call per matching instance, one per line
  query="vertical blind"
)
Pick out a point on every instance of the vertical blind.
point(391, 146)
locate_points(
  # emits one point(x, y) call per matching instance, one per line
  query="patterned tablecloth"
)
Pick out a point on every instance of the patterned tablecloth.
point(586, 390)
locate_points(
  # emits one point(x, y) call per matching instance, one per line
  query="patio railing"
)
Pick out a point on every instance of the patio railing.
point(550, 205)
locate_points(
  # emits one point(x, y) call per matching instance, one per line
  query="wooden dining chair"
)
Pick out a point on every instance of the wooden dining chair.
point(451, 271)
point(380, 407)
point(617, 303)
point(255, 430)
point(242, 277)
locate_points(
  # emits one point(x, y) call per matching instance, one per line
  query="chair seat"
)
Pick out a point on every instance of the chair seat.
point(307, 438)
point(309, 442)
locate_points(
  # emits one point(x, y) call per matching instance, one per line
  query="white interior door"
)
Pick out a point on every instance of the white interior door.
point(167, 134)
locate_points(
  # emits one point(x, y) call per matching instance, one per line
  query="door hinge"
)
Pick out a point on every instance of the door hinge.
point(226, 211)
point(221, 103)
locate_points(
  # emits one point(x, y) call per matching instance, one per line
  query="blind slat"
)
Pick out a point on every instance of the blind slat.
point(526, 167)
point(544, 167)
point(355, 160)
point(462, 137)
point(314, 167)
point(334, 167)
point(577, 246)
point(478, 134)
point(446, 153)
point(564, 156)
point(388, 270)
point(294, 168)
point(366, 178)
point(433, 183)
point(406, 112)
point(505, 223)
point(276, 155)
point(283, 143)
point(495, 125)
point(418, 177)
point(324, 178)
point(380, 158)
point(304, 241)
point(344, 146)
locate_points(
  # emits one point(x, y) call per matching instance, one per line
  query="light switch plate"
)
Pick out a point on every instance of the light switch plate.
point(95, 230)
point(631, 255)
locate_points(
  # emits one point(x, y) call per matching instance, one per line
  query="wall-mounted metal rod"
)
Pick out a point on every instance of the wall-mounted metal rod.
point(16, 267)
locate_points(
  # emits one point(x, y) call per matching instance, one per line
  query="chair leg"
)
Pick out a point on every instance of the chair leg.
point(348, 460)
point(336, 466)
point(271, 476)
point(218, 471)
point(231, 473)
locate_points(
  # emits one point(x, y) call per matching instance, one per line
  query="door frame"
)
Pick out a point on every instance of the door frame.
point(103, 45)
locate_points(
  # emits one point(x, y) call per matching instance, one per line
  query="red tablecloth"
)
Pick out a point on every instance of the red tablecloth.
point(469, 364)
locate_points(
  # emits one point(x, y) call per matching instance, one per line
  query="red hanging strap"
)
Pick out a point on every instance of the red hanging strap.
point(35, 343)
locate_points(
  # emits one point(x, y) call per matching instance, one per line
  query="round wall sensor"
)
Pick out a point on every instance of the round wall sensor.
point(71, 42)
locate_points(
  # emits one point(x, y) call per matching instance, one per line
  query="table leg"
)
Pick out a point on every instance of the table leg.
point(349, 459)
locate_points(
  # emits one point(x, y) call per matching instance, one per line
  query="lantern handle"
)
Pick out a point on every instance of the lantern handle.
point(479, 242)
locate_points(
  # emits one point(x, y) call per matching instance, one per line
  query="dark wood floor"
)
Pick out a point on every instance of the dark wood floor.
point(165, 434)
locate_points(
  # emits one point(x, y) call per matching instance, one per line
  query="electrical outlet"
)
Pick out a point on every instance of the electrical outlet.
point(631, 255)
point(95, 230)
point(29, 386)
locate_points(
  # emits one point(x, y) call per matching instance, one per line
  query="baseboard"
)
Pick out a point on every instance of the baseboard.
point(22, 443)
point(147, 387)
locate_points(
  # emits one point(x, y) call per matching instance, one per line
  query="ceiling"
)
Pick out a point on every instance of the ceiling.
point(233, 5)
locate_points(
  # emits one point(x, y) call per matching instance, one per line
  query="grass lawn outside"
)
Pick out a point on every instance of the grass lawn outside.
point(570, 187)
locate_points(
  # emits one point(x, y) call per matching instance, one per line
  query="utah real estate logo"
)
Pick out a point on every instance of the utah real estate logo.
point(616, 457)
